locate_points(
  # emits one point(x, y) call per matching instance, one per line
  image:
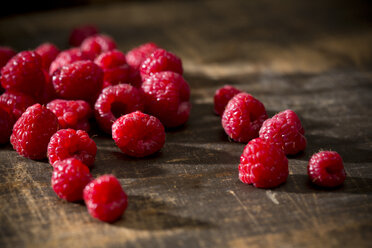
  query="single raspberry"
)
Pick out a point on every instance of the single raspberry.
point(69, 178)
point(79, 34)
point(48, 52)
point(16, 103)
point(284, 130)
point(6, 53)
point(167, 97)
point(137, 55)
point(160, 60)
point(114, 66)
point(73, 114)
point(6, 125)
point(81, 80)
point(222, 97)
point(105, 198)
point(326, 169)
point(71, 143)
point(243, 117)
point(67, 57)
point(138, 134)
point(24, 73)
point(116, 101)
point(98, 44)
point(32, 132)
point(263, 164)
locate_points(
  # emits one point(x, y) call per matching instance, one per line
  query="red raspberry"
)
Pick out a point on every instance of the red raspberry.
point(67, 57)
point(73, 114)
point(81, 80)
point(6, 53)
point(222, 97)
point(138, 134)
point(263, 164)
point(116, 101)
point(16, 103)
point(284, 130)
point(137, 55)
point(243, 117)
point(114, 66)
point(167, 97)
point(32, 132)
point(6, 125)
point(160, 60)
point(98, 44)
point(71, 143)
point(24, 73)
point(48, 52)
point(105, 198)
point(69, 179)
point(326, 169)
point(79, 34)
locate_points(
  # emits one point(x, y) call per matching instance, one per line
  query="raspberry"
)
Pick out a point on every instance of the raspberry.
point(243, 117)
point(222, 97)
point(79, 34)
point(6, 53)
point(73, 114)
point(67, 57)
point(105, 198)
point(69, 179)
point(116, 101)
point(138, 134)
point(6, 125)
point(160, 60)
point(71, 143)
point(81, 80)
point(16, 103)
point(263, 164)
point(137, 55)
point(24, 73)
point(48, 52)
point(98, 44)
point(284, 130)
point(114, 66)
point(167, 97)
point(326, 169)
point(32, 132)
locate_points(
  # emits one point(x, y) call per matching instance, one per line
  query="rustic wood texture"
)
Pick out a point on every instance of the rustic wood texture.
point(314, 58)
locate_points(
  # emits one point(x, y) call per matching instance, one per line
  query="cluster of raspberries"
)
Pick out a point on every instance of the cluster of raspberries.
point(49, 96)
point(264, 163)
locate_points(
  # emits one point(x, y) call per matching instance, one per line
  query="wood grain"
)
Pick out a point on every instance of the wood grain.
point(314, 58)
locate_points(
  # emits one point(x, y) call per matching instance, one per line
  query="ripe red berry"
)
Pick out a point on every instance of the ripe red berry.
point(67, 57)
point(6, 53)
point(222, 96)
point(48, 52)
point(24, 73)
point(243, 117)
point(6, 125)
point(138, 134)
point(16, 103)
point(263, 164)
point(160, 60)
point(98, 44)
point(73, 114)
point(326, 169)
point(79, 34)
point(71, 143)
point(167, 97)
point(69, 179)
point(115, 101)
point(284, 130)
point(105, 198)
point(137, 55)
point(81, 80)
point(32, 132)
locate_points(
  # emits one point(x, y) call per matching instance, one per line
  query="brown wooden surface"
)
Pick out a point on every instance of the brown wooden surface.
point(314, 58)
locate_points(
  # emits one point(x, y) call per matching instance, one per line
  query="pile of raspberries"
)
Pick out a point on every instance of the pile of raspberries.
point(49, 97)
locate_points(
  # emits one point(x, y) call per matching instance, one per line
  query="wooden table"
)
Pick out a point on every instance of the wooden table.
point(314, 58)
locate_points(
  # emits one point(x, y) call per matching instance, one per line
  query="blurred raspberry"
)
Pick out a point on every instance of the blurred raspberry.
point(16, 103)
point(6, 53)
point(222, 96)
point(48, 52)
point(67, 57)
point(98, 44)
point(79, 34)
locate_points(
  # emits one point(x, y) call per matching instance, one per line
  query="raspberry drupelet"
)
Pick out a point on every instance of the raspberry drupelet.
point(243, 117)
point(69, 178)
point(115, 101)
point(326, 169)
point(105, 198)
point(16, 103)
point(222, 96)
point(67, 57)
point(138, 134)
point(263, 164)
point(71, 143)
point(79, 34)
point(48, 52)
point(6, 125)
point(98, 44)
point(6, 53)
